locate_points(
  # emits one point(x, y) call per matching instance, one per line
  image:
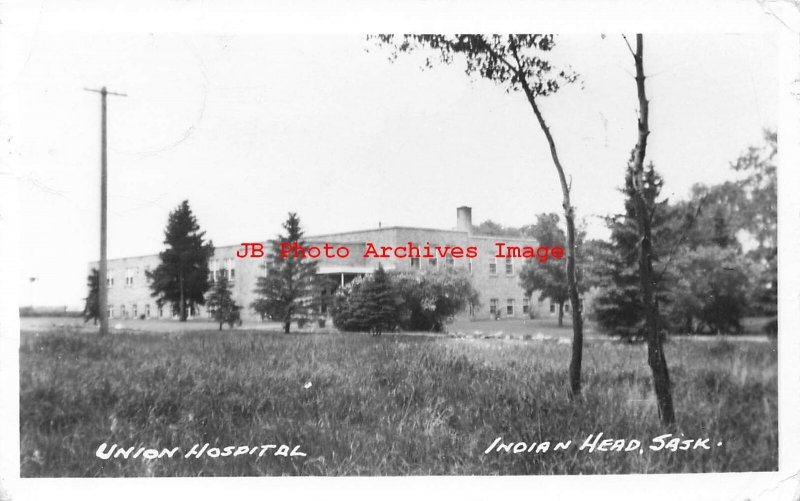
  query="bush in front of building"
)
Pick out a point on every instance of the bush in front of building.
point(430, 300)
point(370, 304)
point(424, 301)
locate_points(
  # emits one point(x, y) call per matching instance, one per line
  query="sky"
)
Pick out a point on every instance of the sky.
point(249, 126)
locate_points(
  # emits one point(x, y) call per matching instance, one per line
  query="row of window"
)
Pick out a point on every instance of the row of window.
point(133, 311)
point(450, 262)
point(130, 273)
point(227, 270)
point(494, 306)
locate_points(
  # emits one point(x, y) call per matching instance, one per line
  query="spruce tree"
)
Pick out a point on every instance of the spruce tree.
point(382, 313)
point(618, 306)
point(286, 293)
point(220, 303)
point(182, 277)
point(91, 309)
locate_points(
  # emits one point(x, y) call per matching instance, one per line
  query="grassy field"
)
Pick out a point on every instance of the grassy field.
point(396, 405)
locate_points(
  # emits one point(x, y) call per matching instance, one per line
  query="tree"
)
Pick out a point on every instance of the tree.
point(644, 211)
point(758, 205)
point(490, 228)
point(287, 292)
point(91, 309)
point(710, 291)
point(615, 267)
point(383, 314)
point(518, 63)
point(430, 299)
point(550, 277)
point(758, 212)
point(743, 213)
point(220, 303)
point(182, 277)
point(369, 305)
point(717, 215)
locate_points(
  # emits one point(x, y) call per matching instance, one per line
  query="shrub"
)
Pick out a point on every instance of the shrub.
point(369, 304)
point(710, 292)
point(412, 301)
point(430, 300)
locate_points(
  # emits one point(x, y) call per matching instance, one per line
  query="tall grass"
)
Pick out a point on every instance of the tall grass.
point(397, 405)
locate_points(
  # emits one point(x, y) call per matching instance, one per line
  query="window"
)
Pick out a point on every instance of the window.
point(160, 312)
point(135, 310)
point(493, 304)
point(110, 280)
point(526, 305)
point(214, 268)
point(510, 307)
point(229, 265)
point(566, 307)
point(128, 277)
point(433, 262)
point(147, 310)
point(552, 306)
point(122, 312)
point(493, 266)
point(415, 262)
point(110, 311)
point(449, 261)
point(509, 266)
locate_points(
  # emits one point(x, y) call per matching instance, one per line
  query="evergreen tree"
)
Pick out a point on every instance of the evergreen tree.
point(386, 314)
point(349, 307)
point(369, 304)
point(380, 308)
point(618, 306)
point(182, 277)
point(221, 304)
point(287, 292)
point(91, 309)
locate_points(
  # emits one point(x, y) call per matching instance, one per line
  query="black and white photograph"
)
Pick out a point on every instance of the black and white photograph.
point(245, 250)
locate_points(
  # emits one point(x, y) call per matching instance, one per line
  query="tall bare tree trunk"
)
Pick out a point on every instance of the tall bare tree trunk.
point(655, 342)
point(561, 314)
point(572, 280)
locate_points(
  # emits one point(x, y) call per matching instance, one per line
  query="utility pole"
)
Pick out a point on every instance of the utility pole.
point(103, 272)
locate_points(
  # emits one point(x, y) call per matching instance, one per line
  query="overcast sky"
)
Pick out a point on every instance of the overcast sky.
point(248, 127)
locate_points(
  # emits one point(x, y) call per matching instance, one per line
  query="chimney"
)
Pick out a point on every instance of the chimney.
point(464, 219)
